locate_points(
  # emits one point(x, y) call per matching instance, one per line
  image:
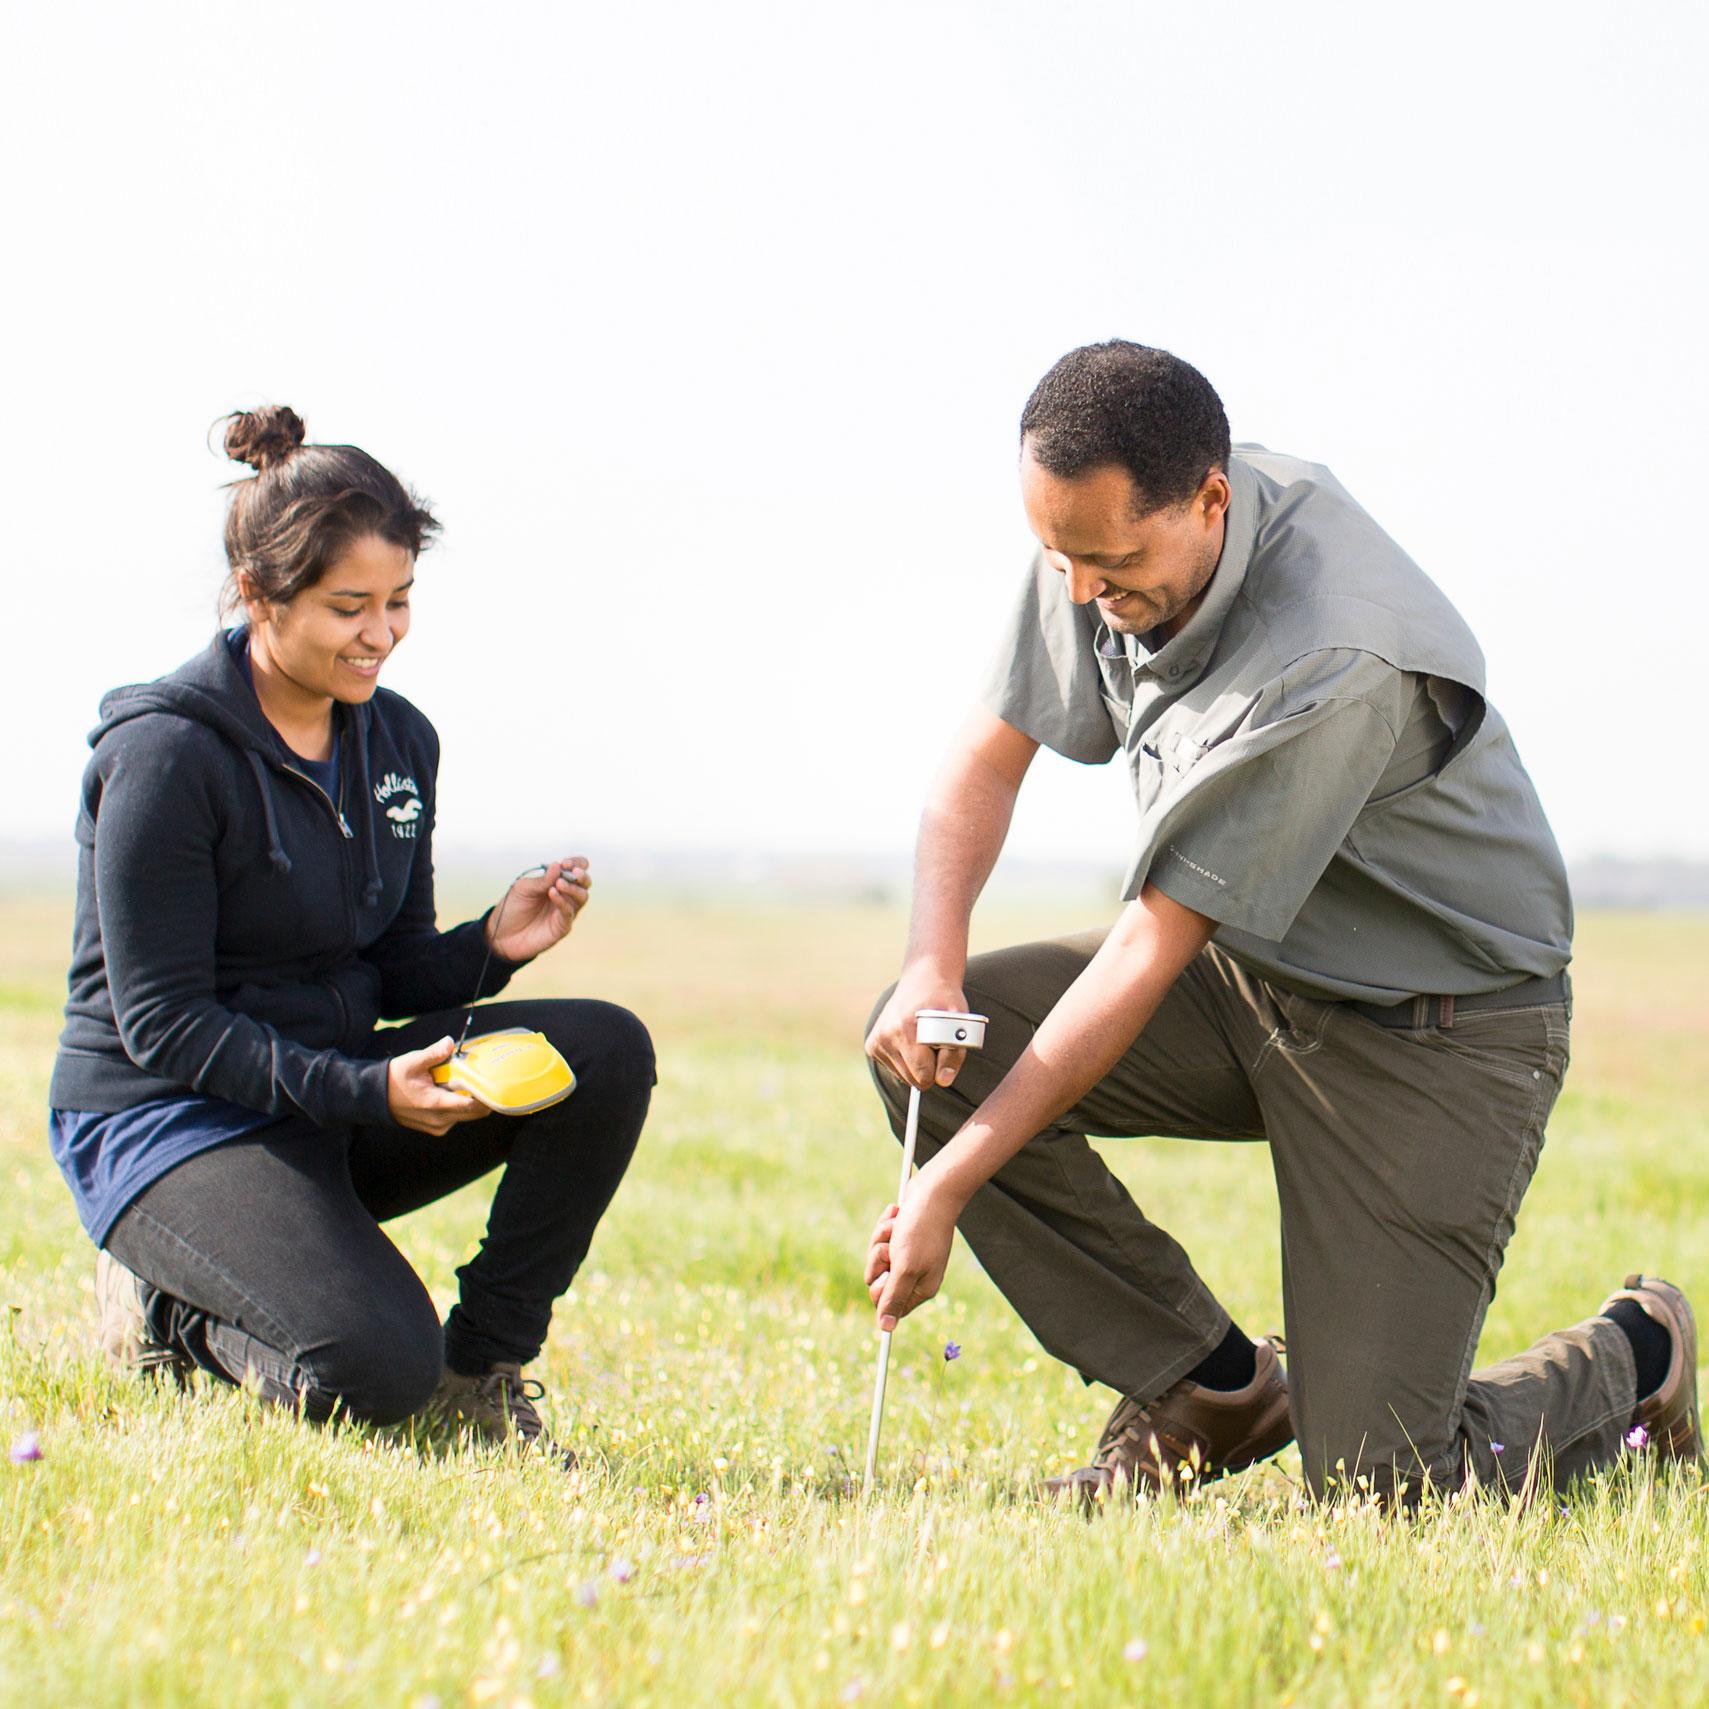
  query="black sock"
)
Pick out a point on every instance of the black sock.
point(1652, 1346)
point(1232, 1363)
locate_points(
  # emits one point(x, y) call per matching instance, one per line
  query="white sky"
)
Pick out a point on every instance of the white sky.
point(706, 328)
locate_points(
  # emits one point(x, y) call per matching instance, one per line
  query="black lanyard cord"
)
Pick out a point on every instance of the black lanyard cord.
point(492, 938)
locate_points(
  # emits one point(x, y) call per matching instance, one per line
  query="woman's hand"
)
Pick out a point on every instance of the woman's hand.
point(416, 1100)
point(539, 910)
point(909, 1250)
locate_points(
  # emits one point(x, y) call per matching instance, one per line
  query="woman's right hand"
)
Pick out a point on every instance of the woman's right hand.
point(416, 1100)
point(892, 1044)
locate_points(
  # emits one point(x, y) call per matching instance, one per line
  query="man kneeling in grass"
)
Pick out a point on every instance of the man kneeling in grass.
point(1347, 934)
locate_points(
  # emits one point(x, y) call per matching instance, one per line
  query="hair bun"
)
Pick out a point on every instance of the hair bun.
point(264, 437)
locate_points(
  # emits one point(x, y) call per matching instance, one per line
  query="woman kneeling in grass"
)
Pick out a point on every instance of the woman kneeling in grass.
point(254, 892)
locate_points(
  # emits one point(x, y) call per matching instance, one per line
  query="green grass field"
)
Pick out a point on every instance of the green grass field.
point(713, 1366)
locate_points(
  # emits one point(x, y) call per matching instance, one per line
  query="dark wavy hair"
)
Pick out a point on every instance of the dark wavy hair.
point(1153, 414)
point(305, 505)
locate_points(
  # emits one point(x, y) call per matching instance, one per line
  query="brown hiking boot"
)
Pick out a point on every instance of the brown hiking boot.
point(1189, 1434)
point(1668, 1416)
point(123, 1329)
point(498, 1406)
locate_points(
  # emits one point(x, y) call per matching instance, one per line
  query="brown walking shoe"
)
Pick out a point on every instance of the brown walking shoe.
point(1668, 1415)
point(1189, 1434)
point(123, 1329)
point(499, 1406)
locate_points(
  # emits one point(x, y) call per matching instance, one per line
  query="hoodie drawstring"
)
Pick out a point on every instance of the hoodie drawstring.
point(371, 894)
point(275, 848)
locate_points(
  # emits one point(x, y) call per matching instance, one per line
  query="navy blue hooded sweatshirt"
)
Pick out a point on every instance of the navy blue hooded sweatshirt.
point(238, 932)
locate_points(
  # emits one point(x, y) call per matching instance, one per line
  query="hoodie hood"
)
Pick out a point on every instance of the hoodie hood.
point(214, 688)
point(211, 689)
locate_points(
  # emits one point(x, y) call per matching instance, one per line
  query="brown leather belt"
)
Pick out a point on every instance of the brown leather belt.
point(1412, 1012)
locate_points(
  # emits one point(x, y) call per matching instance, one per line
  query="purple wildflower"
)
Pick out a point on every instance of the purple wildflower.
point(1637, 1437)
point(312, 1558)
point(27, 1447)
point(1135, 1650)
point(1332, 1560)
point(588, 1593)
point(1497, 1447)
point(952, 1350)
point(621, 1570)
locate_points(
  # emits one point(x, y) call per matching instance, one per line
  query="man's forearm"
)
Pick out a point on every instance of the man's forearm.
point(961, 835)
point(1093, 1023)
point(962, 830)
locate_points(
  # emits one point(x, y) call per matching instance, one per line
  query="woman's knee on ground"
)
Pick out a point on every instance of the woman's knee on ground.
point(382, 1359)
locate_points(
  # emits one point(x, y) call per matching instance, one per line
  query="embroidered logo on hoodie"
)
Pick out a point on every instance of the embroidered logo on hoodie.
point(403, 814)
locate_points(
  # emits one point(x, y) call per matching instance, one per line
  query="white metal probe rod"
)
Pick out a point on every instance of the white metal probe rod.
point(909, 1138)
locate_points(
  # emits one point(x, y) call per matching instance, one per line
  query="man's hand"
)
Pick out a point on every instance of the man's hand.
point(416, 1100)
point(1077, 1043)
point(909, 1251)
point(539, 910)
point(892, 1044)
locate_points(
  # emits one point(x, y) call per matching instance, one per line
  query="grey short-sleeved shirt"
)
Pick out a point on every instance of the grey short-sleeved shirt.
point(1314, 761)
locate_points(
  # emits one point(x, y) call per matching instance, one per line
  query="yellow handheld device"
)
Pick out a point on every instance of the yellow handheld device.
point(514, 1072)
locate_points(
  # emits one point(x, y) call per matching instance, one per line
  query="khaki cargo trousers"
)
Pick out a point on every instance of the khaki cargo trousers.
point(1400, 1157)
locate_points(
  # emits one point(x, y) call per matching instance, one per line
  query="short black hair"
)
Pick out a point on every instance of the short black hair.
point(1118, 402)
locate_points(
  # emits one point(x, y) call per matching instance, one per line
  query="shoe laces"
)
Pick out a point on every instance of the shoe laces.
point(515, 1395)
point(1135, 1432)
point(1129, 1426)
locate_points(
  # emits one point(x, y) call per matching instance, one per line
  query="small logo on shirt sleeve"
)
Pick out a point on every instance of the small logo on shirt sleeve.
point(1193, 865)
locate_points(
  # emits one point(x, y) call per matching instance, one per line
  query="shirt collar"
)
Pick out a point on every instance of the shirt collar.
point(1181, 660)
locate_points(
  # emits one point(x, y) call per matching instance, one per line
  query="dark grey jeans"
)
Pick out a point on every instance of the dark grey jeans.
point(1401, 1157)
point(269, 1264)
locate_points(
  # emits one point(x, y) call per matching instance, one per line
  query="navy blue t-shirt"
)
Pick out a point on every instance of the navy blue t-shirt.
point(324, 772)
point(108, 1159)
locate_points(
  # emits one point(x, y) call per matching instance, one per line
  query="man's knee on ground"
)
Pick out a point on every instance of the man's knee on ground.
point(1357, 1466)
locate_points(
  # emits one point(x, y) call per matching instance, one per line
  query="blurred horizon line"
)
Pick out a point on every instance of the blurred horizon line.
point(749, 874)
